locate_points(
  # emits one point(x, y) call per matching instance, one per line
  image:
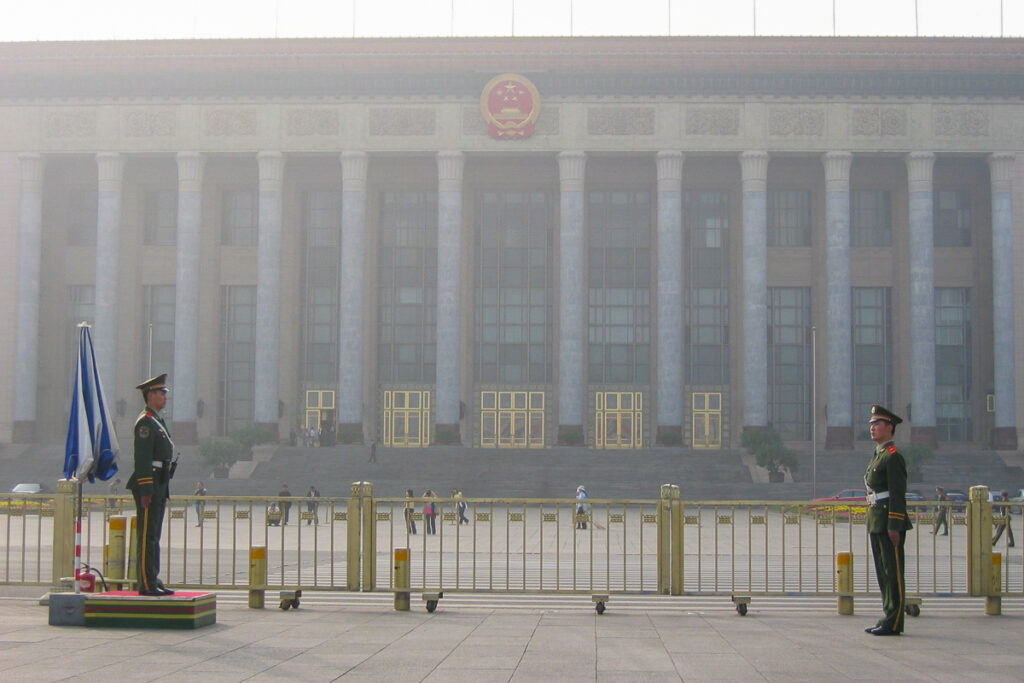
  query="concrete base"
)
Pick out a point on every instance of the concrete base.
point(24, 431)
point(185, 433)
point(448, 434)
point(571, 435)
point(839, 439)
point(1004, 438)
point(67, 609)
point(923, 435)
point(183, 610)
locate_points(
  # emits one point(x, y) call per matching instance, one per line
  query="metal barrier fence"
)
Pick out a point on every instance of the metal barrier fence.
point(516, 545)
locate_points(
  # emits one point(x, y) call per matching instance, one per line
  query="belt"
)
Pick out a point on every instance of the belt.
point(160, 464)
point(877, 497)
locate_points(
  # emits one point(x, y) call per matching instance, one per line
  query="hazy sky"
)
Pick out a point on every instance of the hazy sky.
point(138, 19)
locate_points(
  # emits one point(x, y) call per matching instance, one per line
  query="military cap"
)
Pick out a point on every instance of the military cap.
point(158, 382)
point(880, 413)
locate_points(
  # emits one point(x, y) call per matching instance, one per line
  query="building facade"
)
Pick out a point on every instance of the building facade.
point(664, 241)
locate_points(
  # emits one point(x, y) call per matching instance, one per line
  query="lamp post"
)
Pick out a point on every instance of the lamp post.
point(814, 412)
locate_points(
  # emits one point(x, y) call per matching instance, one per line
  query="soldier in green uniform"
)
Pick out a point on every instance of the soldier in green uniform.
point(149, 483)
point(886, 481)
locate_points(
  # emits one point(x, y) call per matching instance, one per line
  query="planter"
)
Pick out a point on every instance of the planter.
point(776, 477)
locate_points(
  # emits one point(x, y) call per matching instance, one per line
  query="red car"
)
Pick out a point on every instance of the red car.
point(842, 502)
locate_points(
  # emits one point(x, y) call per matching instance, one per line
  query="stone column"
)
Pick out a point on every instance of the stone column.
point(29, 256)
point(754, 167)
point(350, 336)
point(110, 166)
point(1001, 166)
point(669, 251)
point(922, 297)
point(449, 293)
point(268, 288)
point(839, 344)
point(573, 296)
point(186, 296)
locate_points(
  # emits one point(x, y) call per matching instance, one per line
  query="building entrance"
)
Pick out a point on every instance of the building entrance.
point(618, 419)
point(512, 419)
point(406, 418)
point(707, 420)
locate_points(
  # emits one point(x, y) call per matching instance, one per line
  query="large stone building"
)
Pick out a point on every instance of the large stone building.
point(617, 242)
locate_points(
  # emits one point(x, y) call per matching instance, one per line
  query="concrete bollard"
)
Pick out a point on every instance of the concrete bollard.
point(257, 576)
point(114, 565)
point(994, 599)
point(844, 568)
point(401, 579)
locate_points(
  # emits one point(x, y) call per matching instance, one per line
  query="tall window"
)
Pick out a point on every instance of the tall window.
point(81, 215)
point(789, 218)
point(161, 217)
point(320, 297)
point(872, 353)
point(870, 218)
point(953, 218)
point(407, 286)
point(513, 330)
point(158, 325)
point(81, 307)
point(239, 220)
point(237, 357)
point(789, 361)
point(707, 285)
point(953, 416)
point(619, 287)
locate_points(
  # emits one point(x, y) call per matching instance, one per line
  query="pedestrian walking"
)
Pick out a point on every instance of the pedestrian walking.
point(941, 512)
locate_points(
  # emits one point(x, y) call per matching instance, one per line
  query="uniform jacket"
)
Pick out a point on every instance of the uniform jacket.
point(888, 472)
point(152, 444)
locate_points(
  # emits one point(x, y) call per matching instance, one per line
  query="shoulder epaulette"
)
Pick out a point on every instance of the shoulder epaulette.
point(892, 449)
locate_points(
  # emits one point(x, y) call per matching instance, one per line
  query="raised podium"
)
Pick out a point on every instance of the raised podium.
point(183, 610)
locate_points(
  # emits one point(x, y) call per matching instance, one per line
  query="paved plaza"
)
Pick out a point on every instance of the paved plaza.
point(522, 638)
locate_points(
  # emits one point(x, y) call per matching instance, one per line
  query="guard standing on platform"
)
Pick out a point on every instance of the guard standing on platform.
point(886, 481)
point(149, 483)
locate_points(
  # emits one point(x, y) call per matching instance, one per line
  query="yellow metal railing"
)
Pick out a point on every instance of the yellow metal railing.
point(661, 545)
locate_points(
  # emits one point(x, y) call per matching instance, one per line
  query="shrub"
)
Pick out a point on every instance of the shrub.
point(766, 445)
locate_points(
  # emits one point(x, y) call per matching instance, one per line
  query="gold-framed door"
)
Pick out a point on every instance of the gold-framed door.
point(319, 406)
point(707, 420)
point(512, 419)
point(618, 419)
point(407, 418)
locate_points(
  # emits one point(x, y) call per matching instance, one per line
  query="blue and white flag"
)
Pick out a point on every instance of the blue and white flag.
point(91, 449)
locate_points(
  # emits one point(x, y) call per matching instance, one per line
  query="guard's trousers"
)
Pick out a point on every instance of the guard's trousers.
point(149, 523)
point(889, 570)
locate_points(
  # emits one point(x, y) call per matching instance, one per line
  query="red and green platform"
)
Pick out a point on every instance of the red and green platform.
point(183, 610)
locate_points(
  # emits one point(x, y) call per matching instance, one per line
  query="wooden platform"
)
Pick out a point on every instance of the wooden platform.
point(183, 610)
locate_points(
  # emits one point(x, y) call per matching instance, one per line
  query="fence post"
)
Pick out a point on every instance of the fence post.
point(979, 542)
point(133, 548)
point(353, 524)
point(677, 541)
point(114, 569)
point(665, 540)
point(257, 576)
point(369, 555)
point(63, 532)
point(994, 599)
point(401, 579)
point(844, 567)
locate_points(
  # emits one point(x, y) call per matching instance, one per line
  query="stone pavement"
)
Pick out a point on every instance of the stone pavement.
point(522, 638)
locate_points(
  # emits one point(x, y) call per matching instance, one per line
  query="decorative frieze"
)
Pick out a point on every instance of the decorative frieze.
point(961, 122)
point(71, 123)
point(878, 121)
point(150, 123)
point(319, 121)
point(790, 121)
point(402, 120)
point(620, 121)
point(231, 122)
point(712, 121)
point(473, 124)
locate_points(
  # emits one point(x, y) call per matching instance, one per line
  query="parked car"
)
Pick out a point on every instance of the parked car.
point(842, 503)
point(959, 498)
point(31, 487)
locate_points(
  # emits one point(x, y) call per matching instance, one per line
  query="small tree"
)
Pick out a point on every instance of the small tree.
point(916, 455)
point(767, 447)
point(219, 455)
point(247, 437)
